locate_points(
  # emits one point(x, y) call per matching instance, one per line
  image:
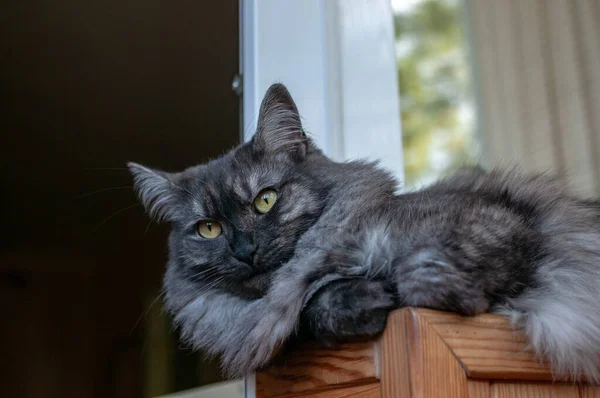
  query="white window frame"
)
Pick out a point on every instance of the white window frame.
point(337, 59)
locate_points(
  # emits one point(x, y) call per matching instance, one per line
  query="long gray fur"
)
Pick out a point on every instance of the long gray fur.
point(498, 241)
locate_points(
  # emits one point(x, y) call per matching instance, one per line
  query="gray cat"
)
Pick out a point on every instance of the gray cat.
point(274, 234)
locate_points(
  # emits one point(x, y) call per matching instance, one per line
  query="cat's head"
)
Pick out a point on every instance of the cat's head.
point(239, 216)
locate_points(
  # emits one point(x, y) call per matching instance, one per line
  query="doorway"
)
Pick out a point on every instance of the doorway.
point(86, 87)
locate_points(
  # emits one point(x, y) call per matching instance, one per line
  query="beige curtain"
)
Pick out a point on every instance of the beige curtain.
point(537, 65)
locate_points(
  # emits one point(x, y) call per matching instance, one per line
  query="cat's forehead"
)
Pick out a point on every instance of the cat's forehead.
point(245, 179)
point(246, 182)
point(233, 179)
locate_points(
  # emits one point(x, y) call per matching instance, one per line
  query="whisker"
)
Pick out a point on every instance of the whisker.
point(114, 214)
point(102, 190)
point(212, 285)
point(146, 312)
point(208, 269)
point(206, 273)
point(107, 169)
point(149, 223)
point(148, 226)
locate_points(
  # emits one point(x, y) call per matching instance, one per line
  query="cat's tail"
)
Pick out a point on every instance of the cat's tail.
point(561, 315)
point(566, 340)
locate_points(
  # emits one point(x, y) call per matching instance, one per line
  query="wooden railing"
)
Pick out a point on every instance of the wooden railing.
point(423, 353)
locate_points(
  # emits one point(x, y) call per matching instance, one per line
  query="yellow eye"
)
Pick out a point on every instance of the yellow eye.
point(209, 229)
point(265, 200)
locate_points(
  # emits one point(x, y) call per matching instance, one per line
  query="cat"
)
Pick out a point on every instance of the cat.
point(274, 234)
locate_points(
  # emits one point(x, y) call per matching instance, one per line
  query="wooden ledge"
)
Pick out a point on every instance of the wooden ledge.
point(422, 353)
point(312, 368)
point(485, 346)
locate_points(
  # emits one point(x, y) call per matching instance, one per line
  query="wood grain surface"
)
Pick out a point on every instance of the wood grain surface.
point(486, 346)
point(311, 368)
point(364, 391)
point(422, 354)
point(478, 388)
point(433, 371)
point(589, 391)
point(395, 356)
point(516, 389)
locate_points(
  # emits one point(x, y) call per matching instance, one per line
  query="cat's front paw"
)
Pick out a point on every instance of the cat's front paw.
point(261, 342)
point(348, 310)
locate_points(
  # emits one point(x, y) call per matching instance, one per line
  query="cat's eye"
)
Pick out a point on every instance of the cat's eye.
point(265, 200)
point(209, 229)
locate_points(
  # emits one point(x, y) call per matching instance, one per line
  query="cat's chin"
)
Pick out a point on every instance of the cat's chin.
point(257, 284)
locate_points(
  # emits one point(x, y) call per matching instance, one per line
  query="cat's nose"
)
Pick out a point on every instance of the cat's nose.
point(244, 248)
point(245, 253)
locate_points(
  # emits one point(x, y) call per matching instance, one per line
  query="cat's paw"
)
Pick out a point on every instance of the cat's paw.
point(256, 349)
point(348, 310)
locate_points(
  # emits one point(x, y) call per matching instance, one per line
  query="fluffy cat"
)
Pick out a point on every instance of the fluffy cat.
point(274, 232)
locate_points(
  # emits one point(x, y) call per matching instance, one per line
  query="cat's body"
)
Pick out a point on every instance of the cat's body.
point(340, 249)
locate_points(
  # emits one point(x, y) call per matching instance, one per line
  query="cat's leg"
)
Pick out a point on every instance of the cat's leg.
point(433, 279)
point(265, 324)
point(466, 257)
point(348, 309)
point(262, 326)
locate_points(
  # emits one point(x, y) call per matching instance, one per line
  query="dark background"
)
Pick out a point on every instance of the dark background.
point(84, 88)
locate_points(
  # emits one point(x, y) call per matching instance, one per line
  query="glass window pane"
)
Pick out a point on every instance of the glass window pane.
point(434, 77)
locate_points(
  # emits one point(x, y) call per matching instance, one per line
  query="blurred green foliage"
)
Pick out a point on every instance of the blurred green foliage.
point(435, 89)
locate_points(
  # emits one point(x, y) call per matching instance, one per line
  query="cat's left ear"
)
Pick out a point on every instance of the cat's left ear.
point(156, 190)
point(279, 130)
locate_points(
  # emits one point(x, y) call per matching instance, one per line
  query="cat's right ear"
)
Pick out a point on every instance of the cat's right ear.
point(279, 131)
point(156, 190)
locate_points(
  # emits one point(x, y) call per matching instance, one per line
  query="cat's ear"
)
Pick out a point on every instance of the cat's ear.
point(156, 190)
point(279, 130)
